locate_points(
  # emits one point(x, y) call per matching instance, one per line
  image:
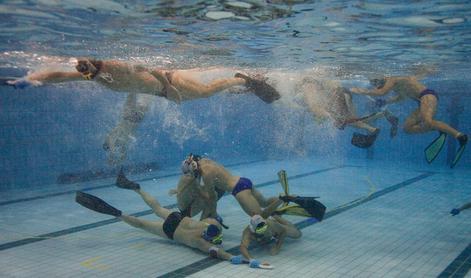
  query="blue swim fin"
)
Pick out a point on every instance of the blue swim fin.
point(434, 148)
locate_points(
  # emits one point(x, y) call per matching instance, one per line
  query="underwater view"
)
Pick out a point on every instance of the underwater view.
point(254, 138)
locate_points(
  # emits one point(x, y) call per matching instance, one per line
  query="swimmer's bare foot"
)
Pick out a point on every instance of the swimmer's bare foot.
point(260, 88)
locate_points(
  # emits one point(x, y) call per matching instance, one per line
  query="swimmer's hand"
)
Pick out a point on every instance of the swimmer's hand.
point(236, 259)
point(24, 82)
point(455, 211)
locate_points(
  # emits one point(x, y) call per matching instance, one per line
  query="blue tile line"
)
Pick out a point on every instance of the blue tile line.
point(76, 229)
point(460, 266)
point(4, 203)
point(208, 262)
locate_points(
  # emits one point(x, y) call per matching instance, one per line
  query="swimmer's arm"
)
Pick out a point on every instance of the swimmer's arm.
point(208, 192)
point(183, 183)
point(465, 206)
point(245, 242)
point(280, 232)
point(394, 99)
point(280, 240)
point(390, 82)
point(54, 76)
point(213, 251)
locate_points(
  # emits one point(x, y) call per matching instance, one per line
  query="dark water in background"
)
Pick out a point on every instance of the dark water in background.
point(48, 131)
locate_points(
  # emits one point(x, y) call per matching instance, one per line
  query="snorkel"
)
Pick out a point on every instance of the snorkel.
point(212, 234)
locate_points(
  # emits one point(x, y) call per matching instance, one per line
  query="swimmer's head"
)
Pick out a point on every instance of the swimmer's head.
point(258, 225)
point(87, 68)
point(213, 234)
point(190, 165)
point(378, 83)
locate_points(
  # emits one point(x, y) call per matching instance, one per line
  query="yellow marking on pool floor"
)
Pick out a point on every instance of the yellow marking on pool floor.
point(92, 264)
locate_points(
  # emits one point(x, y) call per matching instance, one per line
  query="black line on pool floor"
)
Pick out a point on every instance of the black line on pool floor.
point(107, 185)
point(208, 262)
point(76, 229)
point(460, 266)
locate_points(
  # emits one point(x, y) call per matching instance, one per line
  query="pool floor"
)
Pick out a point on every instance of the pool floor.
point(381, 222)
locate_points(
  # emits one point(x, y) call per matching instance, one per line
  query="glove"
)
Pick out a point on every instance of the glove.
point(455, 211)
point(253, 263)
point(22, 83)
point(380, 102)
point(236, 259)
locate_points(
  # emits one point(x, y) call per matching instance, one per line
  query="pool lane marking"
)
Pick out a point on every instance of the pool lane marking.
point(460, 266)
point(76, 229)
point(209, 262)
point(107, 185)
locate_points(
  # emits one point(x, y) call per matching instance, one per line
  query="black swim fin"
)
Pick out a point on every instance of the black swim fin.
point(305, 206)
point(260, 88)
point(123, 182)
point(96, 204)
point(434, 148)
point(463, 139)
point(364, 141)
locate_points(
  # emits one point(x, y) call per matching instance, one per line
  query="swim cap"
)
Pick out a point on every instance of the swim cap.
point(258, 225)
point(190, 165)
point(213, 234)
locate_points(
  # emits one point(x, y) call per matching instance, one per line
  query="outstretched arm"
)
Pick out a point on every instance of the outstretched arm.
point(244, 244)
point(213, 250)
point(41, 77)
point(376, 92)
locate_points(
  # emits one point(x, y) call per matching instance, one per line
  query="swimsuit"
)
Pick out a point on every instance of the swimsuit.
point(242, 184)
point(427, 92)
point(171, 223)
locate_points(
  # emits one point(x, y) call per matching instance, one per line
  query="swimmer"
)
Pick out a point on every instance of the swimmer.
point(213, 180)
point(174, 85)
point(205, 235)
point(265, 231)
point(422, 119)
point(328, 100)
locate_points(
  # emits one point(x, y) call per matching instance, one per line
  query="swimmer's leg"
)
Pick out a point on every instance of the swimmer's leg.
point(117, 141)
point(198, 89)
point(154, 227)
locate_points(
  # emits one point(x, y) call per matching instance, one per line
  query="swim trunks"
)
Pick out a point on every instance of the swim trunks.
point(242, 184)
point(427, 92)
point(171, 223)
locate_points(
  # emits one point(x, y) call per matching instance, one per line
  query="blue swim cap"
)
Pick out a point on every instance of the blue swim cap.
point(212, 231)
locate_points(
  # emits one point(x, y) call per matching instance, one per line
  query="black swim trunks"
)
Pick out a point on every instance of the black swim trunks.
point(171, 223)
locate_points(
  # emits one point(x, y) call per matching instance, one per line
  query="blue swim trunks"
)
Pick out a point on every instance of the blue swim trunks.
point(242, 184)
point(428, 92)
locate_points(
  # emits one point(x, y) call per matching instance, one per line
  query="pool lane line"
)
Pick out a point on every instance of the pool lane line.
point(460, 266)
point(4, 203)
point(80, 228)
point(209, 262)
